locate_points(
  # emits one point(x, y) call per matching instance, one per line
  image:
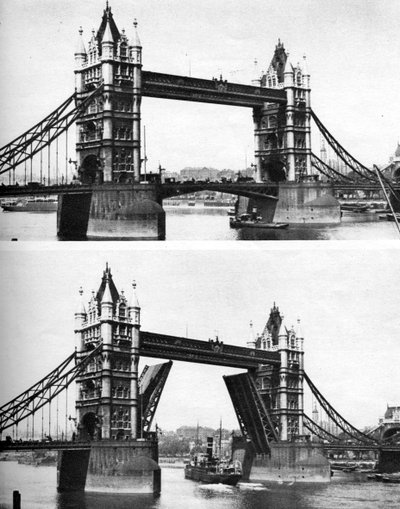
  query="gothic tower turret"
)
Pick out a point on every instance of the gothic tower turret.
point(283, 376)
point(136, 58)
point(80, 319)
point(251, 342)
point(283, 133)
point(107, 390)
point(108, 141)
point(282, 387)
point(134, 316)
point(80, 61)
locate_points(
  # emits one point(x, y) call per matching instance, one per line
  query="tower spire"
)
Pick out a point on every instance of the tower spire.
point(135, 39)
point(251, 343)
point(107, 36)
point(256, 80)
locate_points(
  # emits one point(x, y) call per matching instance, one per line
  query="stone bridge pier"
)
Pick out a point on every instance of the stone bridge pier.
point(112, 211)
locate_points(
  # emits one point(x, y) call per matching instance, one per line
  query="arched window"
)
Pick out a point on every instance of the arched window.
point(123, 50)
point(273, 122)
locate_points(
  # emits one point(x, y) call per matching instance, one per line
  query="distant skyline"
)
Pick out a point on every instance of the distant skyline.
point(352, 49)
point(347, 299)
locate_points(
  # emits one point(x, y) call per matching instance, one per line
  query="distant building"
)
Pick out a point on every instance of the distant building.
point(392, 169)
point(195, 432)
point(392, 415)
point(200, 433)
point(199, 173)
point(389, 424)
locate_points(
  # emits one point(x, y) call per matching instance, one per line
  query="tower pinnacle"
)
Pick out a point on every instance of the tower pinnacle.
point(135, 39)
point(107, 36)
point(80, 309)
point(80, 49)
point(134, 303)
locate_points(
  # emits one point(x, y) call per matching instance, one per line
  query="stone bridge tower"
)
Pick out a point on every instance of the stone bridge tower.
point(282, 388)
point(283, 132)
point(108, 134)
point(107, 392)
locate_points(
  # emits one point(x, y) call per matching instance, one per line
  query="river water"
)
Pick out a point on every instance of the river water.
point(208, 223)
point(37, 486)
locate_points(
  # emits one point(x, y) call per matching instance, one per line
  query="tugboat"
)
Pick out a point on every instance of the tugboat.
point(208, 469)
point(247, 221)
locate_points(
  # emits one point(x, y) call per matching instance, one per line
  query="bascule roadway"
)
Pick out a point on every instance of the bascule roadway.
point(167, 190)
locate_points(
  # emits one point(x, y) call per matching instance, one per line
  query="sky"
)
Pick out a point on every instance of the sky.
point(347, 300)
point(352, 49)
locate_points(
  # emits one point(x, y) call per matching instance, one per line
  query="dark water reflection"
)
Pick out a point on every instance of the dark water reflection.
point(105, 501)
point(38, 490)
point(207, 223)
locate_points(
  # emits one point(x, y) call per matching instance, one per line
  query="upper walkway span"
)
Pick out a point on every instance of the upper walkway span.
point(217, 91)
point(213, 352)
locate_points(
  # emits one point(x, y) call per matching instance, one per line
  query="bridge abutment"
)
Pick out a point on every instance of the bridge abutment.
point(298, 203)
point(286, 462)
point(307, 203)
point(388, 461)
point(290, 462)
point(72, 467)
point(73, 215)
point(124, 467)
point(113, 212)
point(111, 466)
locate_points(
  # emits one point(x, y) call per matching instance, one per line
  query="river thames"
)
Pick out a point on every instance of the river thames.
point(37, 486)
point(208, 223)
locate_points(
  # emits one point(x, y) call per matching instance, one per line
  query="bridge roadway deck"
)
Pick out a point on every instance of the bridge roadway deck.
point(360, 447)
point(248, 189)
point(213, 352)
point(35, 445)
point(217, 91)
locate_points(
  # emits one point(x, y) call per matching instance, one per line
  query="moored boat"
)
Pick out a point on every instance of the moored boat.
point(390, 217)
point(391, 478)
point(245, 221)
point(32, 205)
point(354, 207)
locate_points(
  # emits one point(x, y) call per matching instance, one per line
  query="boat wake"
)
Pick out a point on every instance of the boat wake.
point(220, 488)
point(252, 486)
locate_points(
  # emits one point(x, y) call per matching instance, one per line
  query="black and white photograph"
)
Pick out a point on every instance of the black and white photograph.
point(165, 119)
point(200, 377)
point(199, 254)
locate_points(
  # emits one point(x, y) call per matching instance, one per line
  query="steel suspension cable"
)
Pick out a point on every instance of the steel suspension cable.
point(344, 155)
point(326, 169)
point(56, 122)
point(335, 416)
point(42, 392)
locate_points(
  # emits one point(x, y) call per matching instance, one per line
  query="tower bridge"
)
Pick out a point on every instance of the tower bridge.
point(294, 185)
point(115, 405)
